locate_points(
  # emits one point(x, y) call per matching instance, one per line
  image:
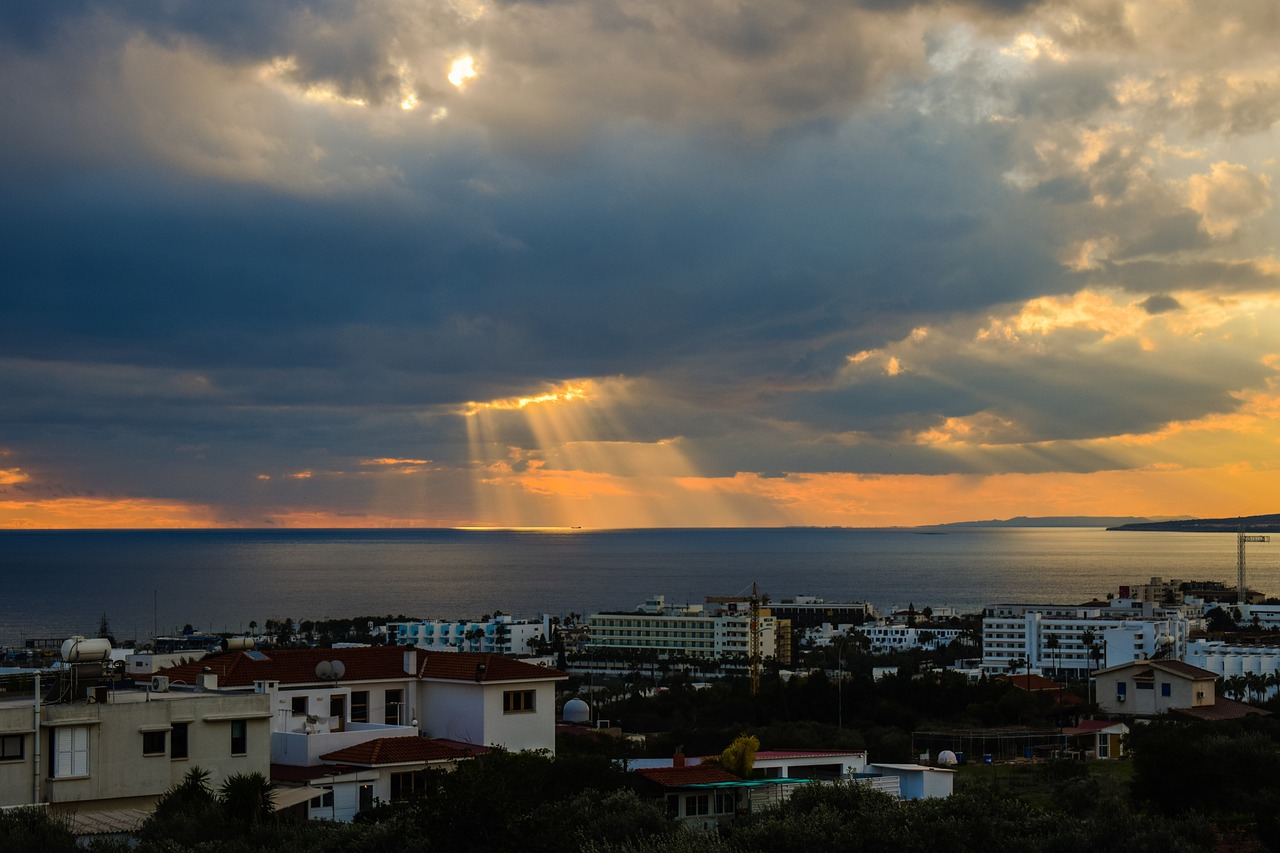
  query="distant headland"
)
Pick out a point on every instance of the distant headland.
point(1251, 523)
point(1107, 521)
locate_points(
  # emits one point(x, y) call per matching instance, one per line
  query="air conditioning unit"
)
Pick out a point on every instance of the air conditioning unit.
point(1120, 697)
point(159, 684)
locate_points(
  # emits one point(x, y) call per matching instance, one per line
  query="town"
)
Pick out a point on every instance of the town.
point(714, 716)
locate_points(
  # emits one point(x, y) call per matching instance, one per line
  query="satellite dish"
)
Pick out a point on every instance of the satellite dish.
point(324, 670)
point(339, 669)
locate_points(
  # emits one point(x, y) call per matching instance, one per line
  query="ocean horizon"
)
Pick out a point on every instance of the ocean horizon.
point(61, 582)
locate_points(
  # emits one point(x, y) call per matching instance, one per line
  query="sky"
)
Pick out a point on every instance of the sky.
point(533, 263)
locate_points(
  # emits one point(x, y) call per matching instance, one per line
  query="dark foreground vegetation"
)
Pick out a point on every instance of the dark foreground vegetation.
point(1190, 787)
point(1187, 786)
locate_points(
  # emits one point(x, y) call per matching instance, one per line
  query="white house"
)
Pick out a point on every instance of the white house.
point(387, 769)
point(328, 699)
point(348, 724)
point(918, 781)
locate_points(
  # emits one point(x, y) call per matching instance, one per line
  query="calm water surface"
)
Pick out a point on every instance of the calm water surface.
point(57, 583)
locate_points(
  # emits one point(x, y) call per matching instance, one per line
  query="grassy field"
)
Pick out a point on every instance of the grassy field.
point(1036, 781)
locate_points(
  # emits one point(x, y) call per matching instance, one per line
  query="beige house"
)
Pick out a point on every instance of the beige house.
point(123, 748)
point(1149, 687)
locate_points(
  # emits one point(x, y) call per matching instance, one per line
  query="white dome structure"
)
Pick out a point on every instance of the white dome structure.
point(947, 758)
point(576, 711)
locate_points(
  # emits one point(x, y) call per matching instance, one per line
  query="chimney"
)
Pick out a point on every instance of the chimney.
point(411, 661)
point(678, 759)
point(207, 680)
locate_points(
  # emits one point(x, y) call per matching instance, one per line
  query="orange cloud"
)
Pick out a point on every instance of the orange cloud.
point(124, 513)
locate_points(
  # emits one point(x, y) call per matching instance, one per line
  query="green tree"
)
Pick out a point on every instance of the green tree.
point(739, 757)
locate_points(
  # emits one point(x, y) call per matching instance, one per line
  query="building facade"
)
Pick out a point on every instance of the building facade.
point(1076, 639)
point(1146, 688)
point(118, 747)
point(501, 634)
point(682, 630)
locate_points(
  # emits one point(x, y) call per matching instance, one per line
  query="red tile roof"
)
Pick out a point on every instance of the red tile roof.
point(473, 666)
point(295, 666)
point(1183, 668)
point(1033, 682)
point(782, 754)
point(400, 750)
point(298, 773)
point(367, 663)
point(690, 774)
point(1091, 726)
point(1221, 709)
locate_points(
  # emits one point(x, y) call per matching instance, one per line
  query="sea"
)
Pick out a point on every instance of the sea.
point(57, 583)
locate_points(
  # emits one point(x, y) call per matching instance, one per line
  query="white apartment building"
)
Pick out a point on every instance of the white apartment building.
point(500, 634)
point(1227, 660)
point(1252, 616)
point(1015, 636)
point(897, 638)
point(682, 630)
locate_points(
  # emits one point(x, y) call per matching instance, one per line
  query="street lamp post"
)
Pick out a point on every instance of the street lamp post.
point(840, 684)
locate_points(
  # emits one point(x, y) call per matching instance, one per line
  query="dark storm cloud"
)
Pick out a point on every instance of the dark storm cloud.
point(1160, 303)
point(220, 273)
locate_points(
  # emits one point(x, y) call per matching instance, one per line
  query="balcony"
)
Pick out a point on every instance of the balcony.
point(306, 746)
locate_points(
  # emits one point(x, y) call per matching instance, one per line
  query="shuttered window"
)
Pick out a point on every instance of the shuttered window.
point(71, 751)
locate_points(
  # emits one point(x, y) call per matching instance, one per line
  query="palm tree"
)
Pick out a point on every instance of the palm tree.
point(246, 798)
point(1052, 643)
point(1090, 639)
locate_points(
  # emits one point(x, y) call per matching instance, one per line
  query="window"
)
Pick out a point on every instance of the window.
point(1166, 689)
point(391, 714)
point(239, 737)
point(70, 753)
point(153, 743)
point(178, 742)
point(725, 802)
point(324, 801)
point(1122, 690)
point(1146, 685)
point(359, 706)
point(696, 804)
point(299, 705)
point(518, 702)
point(337, 710)
point(405, 785)
point(11, 747)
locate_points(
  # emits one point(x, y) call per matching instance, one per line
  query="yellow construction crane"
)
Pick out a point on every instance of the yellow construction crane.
point(755, 600)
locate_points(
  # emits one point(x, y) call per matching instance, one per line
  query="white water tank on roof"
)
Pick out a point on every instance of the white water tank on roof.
point(81, 649)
